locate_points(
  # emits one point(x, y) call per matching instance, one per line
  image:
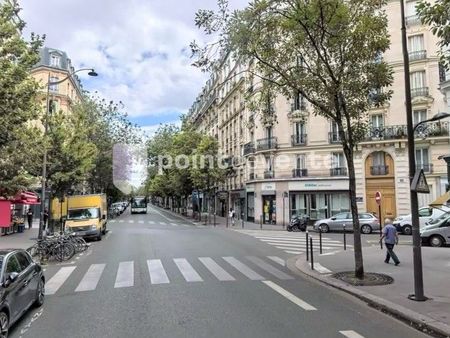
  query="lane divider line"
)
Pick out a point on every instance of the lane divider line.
point(293, 298)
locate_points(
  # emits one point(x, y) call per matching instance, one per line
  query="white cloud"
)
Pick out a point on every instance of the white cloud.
point(136, 46)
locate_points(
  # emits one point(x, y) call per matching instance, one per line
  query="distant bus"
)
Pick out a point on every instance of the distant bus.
point(139, 205)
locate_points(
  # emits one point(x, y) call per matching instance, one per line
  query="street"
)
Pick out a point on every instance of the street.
point(158, 275)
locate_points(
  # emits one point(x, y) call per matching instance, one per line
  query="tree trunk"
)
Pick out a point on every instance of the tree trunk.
point(359, 264)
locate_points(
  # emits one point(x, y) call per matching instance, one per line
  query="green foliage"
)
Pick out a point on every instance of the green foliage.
point(19, 140)
point(437, 15)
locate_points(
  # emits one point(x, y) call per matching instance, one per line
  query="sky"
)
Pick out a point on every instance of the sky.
point(140, 48)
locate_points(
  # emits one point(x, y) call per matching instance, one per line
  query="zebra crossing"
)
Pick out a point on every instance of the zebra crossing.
point(295, 243)
point(222, 269)
point(167, 224)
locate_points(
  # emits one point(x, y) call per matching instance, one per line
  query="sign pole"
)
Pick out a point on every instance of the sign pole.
point(378, 200)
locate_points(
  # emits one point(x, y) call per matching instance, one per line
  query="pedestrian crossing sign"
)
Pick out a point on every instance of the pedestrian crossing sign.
point(419, 183)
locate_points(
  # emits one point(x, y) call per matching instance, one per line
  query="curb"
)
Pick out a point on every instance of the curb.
point(420, 322)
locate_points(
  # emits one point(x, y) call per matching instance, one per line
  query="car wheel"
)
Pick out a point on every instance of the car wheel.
point(324, 228)
point(4, 324)
point(99, 236)
point(436, 241)
point(407, 230)
point(366, 229)
point(40, 293)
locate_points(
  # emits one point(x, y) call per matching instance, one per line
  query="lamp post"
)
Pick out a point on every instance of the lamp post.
point(44, 159)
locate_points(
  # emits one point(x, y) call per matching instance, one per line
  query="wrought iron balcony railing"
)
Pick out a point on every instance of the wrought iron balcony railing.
point(251, 176)
point(417, 55)
point(430, 129)
point(422, 91)
point(339, 171)
point(299, 139)
point(379, 170)
point(267, 143)
point(249, 148)
point(269, 174)
point(412, 20)
point(299, 172)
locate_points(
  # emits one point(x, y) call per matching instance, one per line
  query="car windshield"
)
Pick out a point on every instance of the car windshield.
point(440, 218)
point(139, 203)
point(86, 213)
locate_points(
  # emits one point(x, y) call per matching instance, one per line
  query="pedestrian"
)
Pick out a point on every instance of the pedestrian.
point(390, 237)
point(232, 214)
point(30, 218)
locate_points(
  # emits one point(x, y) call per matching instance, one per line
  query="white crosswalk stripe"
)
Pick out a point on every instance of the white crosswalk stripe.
point(290, 296)
point(242, 268)
point(216, 269)
point(295, 243)
point(91, 278)
point(157, 273)
point(54, 283)
point(130, 221)
point(151, 222)
point(174, 224)
point(186, 269)
point(125, 275)
point(141, 221)
point(351, 334)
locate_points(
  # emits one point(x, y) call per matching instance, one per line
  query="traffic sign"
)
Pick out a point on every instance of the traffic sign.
point(378, 197)
point(419, 183)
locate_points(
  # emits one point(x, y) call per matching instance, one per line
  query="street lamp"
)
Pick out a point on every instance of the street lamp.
point(44, 160)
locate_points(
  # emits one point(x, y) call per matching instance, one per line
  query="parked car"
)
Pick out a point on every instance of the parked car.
point(437, 232)
point(119, 206)
point(22, 286)
point(426, 214)
point(367, 221)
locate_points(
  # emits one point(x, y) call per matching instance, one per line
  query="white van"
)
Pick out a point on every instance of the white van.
point(426, 214)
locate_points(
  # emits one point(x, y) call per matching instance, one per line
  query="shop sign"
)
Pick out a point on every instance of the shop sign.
point(318, 185)
point(250, 188)
point(269, 187)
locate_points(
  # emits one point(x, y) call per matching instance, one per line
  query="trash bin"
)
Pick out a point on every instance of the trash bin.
point(20, 227)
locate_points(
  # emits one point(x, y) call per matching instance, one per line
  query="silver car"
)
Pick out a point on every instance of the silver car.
point(367, 222)
point(437, 232)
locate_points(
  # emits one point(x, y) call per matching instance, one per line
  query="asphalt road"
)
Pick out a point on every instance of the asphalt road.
point(155, 275)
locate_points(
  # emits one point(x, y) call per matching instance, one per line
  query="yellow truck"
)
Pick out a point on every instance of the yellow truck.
point(86, 215)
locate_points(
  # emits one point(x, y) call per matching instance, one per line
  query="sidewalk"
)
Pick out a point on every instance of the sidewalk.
point(433, 314)
point(222, 221)
point(20, 240)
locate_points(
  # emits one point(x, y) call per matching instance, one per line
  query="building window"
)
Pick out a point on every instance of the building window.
point(53, 87)
point(411, 8)
point(338, 160)
point(418, 79)
point(301, 161)
point(377, 121)
point(419, 116)
point(378, 158)
point(416, 47)
point(55, 60)
point(299, 102)
point(269, 132)
point(423, 160)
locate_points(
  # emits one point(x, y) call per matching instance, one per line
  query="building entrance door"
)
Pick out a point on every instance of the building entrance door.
point(269, 209)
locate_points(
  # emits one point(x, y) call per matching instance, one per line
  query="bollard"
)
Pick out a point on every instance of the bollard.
point(312, 255)
point(345, 238)
point(307, 246)
point(214, 218)
point(320, 239)
point(227, 220)
point(242, 222)
point(260, 221)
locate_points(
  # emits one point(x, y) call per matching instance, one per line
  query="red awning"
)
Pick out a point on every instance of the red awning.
point(26, 197)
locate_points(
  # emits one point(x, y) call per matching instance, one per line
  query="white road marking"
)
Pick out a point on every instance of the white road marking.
point(299, 246)
point(320, 268)
point(329, 253)
point(91, 278)
point(269, 268)
point(125, 275)
point(290, 296)
point(157, 273)
point(351, 334)
point(151, 222)
point(277, 260)
point(130, 221)
point(216, 269)
point(121, 221)
point(186, 269)
point(294, 252)
point(242, 268)
point(141, 221)
point(54, 283)
point(163, 223)
point(174, 224)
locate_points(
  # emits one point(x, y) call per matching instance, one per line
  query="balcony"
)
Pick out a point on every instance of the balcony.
point(249, 148)
point(269, 174)
point(379, 170)
point(412, 20)
point(333, 137)
point(299, 173)
point(417, 55)
point(427, 168)
point(430, 129)
point(416, 92)
point(298, 139)
point(251, 176)
point(339, 171)
point(266, 144)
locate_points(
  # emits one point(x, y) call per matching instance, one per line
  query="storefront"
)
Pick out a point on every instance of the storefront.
point(250, 202)
point(269, 203)
point(238, 202)
point(318, 199)
point(13, 212)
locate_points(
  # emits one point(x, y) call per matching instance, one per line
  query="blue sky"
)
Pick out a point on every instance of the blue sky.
point(138, 47)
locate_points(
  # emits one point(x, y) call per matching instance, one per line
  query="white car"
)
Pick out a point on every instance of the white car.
point(426, 214)
point(119, 206)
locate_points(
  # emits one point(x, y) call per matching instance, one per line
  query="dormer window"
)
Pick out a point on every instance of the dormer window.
point(55, 60)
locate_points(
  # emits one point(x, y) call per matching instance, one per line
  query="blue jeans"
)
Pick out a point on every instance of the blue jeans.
point(390, 253)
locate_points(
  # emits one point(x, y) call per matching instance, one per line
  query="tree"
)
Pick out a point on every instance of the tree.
point(19, 139)
point(326, 51)
point(438, 16)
